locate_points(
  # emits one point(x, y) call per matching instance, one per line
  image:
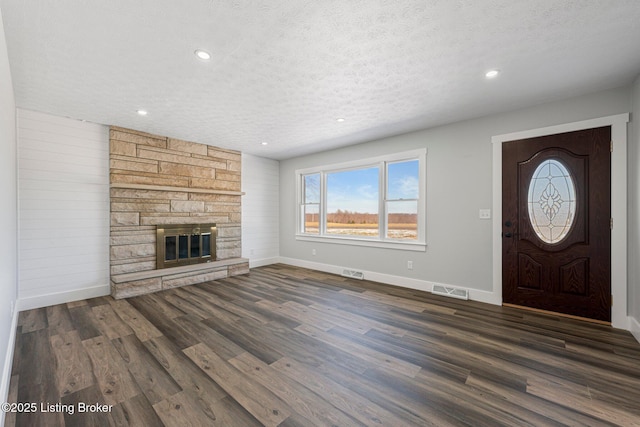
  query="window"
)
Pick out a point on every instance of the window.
point(311, 205)
point(402, 199)
point(374, 202)
point(551, 201)
point(352, 202)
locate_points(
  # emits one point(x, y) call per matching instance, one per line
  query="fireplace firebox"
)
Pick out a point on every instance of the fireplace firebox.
point(185, 244)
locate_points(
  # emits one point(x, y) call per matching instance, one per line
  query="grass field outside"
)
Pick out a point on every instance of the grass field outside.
point(395, 231)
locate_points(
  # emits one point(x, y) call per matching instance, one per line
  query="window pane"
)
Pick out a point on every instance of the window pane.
point(552, 201)
point(352, 202)
point(402, 180)
point(311, 215)
point(312, 188)
point(402, 220)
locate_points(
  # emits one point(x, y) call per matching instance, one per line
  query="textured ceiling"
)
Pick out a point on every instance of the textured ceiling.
point(283, 71)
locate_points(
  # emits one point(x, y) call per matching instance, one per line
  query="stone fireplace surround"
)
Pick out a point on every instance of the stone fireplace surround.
point(158, 180)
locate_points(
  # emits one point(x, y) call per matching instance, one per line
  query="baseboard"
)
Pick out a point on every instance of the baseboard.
point(264, 261)
point(38, 301)
point(8, 364)
point(405, 282)
point(634, 328)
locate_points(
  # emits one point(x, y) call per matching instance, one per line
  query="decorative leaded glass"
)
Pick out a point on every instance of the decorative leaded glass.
point(552, 201)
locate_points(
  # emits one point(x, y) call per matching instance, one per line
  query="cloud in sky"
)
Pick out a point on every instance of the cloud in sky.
point(405, 187)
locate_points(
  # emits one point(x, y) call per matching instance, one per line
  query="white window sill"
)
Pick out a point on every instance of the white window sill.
point(371, 243)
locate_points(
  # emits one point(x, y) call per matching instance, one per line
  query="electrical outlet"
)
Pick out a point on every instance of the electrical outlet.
point(313, 252)
point(410, 265)
point(484, 214)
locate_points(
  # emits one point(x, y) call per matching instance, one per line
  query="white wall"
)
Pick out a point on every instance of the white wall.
point(8, 219)
point(634, 212)
point(63, 181)
point(459, 183)
point(260, 210)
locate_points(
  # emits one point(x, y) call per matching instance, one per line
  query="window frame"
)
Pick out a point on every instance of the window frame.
point(302, 204)
point(382, 241)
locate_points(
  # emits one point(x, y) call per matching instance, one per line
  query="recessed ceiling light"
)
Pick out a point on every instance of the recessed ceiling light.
point(340, 120)
point(492, 73)
point(264, 143)
point(202, 54)
point(142, 112)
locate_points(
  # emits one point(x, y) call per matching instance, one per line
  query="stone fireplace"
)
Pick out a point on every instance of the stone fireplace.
point(159, 183)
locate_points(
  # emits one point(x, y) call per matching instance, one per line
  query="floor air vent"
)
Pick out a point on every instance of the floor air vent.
point(450, 292)
point(354, 274)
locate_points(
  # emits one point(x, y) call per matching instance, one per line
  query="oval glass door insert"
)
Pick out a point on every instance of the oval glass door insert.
point(552, 201)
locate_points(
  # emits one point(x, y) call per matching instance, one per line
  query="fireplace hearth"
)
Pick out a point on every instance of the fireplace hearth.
point(186, 244)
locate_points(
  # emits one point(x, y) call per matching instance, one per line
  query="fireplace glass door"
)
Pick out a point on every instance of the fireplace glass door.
point(185, 244)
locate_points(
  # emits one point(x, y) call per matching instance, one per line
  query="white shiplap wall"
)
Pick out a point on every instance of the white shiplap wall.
point(63, 196)
point(8, 221)
point(260, 210)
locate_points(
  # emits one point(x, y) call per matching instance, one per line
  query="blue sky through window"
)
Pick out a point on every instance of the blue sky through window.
point(354, 190)
point(402, 180)
point(357, 190)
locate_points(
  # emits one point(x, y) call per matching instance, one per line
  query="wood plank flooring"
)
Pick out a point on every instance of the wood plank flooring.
point(285, 346)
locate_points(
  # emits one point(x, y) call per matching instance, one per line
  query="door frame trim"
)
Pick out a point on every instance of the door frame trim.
point(618, 123)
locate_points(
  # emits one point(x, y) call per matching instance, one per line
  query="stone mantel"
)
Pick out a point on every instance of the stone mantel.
point(170, 188)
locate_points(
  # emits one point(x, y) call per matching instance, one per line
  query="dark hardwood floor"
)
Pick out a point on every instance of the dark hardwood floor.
point(293, 347)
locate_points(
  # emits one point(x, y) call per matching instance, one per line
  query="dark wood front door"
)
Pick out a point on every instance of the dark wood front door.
point(556, 232)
